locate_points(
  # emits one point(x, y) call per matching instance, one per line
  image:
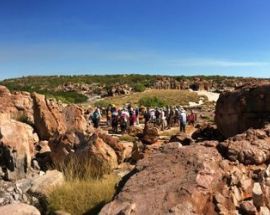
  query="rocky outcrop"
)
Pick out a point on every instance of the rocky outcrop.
point(17, 105)
point(74, 118)
point(175, 181)
point(44, 184)
point(82, 147)
point(19, 209)
point(17, 148)
point(47, 117)
point(123, 149)
point(118, 89)
point(242, 109)
point(65, 144)
point(250, 147)
point(98, 149)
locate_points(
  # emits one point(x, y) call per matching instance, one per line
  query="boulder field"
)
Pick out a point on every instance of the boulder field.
point(218, 169)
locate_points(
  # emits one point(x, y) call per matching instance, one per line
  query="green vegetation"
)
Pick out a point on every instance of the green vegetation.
point(53, 86)
point(152, 101)
point(66, 97)
point(139, 87)
point(89, 185)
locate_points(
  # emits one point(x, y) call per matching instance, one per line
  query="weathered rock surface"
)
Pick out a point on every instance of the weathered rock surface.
point(123, 149)
point(74, 118)
point(47, 116)
point(250, 147)
point(19, 209)
point(175, 181)
point(150, 135)
point(42, 185)
point(17, 146)
point(83, 147)
point(99, 149)
point(63, 145)
point(17, 105)
point(243, 109)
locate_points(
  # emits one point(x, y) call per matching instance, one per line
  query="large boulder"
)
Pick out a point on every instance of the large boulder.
point(65, 144)
point(98, 149)
point(48, 117)
point(81, 147)
point(250, 147)
point(174, 181)
point(17, 147)
point(242, 109)
point(44, 184)
point(19, 209)
point(17, 105)
point(74, 118)
point(150, 135)
point(123, 149)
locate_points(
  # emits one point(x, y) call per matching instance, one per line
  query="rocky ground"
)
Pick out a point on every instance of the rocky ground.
point(220, 166)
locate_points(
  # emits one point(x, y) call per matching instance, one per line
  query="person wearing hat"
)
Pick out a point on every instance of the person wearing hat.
point(183, 120)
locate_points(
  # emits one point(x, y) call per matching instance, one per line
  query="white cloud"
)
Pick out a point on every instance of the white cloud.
point(205, 62)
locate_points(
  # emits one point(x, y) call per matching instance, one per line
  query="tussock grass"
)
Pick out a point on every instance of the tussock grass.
point(84, 168)
point(83, 196)
point(88, 187)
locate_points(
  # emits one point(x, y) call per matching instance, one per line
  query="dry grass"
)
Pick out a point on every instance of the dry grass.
point(170, 97)
point(83, 196)
point(89, 185)
point(84, 169)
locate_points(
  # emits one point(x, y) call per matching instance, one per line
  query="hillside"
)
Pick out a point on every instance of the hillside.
point(77, 89)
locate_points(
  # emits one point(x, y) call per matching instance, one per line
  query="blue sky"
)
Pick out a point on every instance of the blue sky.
point(172, 37)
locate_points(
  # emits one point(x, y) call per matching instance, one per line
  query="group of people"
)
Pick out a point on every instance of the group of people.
point(126, 117)
point(168, 117)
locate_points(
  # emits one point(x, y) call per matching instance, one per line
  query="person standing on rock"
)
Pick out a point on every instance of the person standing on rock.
point(183, 120)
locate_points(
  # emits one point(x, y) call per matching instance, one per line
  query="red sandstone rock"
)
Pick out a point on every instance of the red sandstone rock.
point(176, 180)
point(242, 109)
point(17, 147)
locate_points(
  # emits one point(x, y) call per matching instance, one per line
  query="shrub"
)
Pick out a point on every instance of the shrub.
point(139, 87)
point(151, 102)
